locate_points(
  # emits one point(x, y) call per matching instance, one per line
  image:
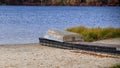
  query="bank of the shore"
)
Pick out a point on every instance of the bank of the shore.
point(109, 41)
point(37, 56)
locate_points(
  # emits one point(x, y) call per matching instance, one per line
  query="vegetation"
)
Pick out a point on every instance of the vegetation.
point(93, 34)
point(116, 66)
point(62, 2)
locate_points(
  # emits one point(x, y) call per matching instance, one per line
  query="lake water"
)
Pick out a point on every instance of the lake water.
point(25, 24)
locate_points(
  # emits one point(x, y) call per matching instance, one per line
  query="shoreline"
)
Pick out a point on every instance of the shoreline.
point(18, 44)
point(105, 41)
point(36, 56)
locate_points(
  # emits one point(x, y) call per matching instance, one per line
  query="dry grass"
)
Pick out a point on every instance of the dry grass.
point(94, 34)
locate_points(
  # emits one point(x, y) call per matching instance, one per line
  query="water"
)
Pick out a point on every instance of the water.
point(25, 24)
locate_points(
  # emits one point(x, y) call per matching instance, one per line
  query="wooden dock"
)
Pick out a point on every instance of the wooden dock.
point(104, 48)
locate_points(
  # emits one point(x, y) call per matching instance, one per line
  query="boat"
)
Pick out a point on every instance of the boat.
point(69, 40)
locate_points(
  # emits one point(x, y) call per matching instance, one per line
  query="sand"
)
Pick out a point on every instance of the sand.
point(109, 41)
point(37, 56)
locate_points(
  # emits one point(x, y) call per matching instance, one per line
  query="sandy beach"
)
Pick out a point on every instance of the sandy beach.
point(37, 56)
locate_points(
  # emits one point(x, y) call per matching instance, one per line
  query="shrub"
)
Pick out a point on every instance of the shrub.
point(116, 66)
point(93, 34)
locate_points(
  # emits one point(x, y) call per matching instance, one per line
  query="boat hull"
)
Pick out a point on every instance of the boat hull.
point(85, 46)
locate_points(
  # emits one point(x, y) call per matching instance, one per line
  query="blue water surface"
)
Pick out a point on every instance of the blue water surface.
point(25, 24)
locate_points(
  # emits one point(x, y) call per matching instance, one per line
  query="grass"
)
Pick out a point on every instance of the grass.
point(94, 34)
point(116, 66)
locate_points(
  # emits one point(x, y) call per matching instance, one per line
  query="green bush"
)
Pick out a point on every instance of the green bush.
point(116, 66)
point(94, 34)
